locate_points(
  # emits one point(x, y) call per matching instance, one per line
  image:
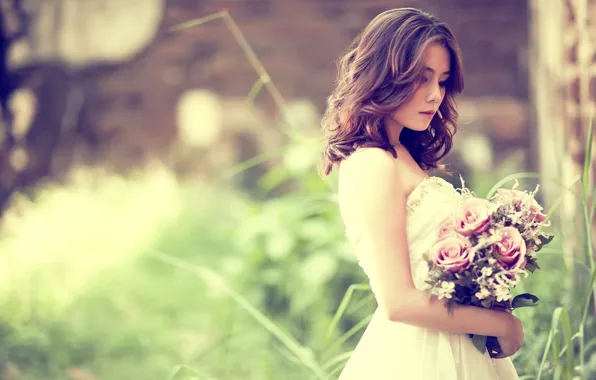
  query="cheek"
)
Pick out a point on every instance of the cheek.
point(401, 114)
point(412, 106)
point(420, 95)
point(397, 114)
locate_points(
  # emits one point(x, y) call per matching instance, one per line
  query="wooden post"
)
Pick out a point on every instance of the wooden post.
point(562, 67)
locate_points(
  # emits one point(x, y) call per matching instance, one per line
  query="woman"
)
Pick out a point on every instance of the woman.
point(389, 121)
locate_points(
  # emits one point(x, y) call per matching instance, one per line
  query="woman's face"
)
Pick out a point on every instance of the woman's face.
point(418, 112)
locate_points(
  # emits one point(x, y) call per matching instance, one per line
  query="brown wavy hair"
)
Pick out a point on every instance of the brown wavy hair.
point(379, 73)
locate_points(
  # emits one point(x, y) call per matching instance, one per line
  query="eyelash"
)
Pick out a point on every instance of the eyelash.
point(443, 84)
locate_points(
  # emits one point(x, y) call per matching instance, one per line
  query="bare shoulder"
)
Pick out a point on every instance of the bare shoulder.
point(369, 161)
point(368, 172)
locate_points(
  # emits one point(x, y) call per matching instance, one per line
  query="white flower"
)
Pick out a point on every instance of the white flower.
point(446, 290)
point(447, 285)
point(487, 271)
point(502, 291)
point(444, 295)
point(482, 294)
point(492, 261)
point(503, 297)
point(504, 281)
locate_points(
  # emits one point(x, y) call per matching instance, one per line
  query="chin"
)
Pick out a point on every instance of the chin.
point(420, 128)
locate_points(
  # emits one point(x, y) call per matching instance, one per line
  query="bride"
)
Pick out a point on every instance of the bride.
point(391, 119)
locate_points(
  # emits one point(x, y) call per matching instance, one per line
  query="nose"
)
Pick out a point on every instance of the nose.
point(434, 93)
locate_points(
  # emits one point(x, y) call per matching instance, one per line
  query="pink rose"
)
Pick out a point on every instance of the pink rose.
point(510, 250)
point(519, 199)
point(473, 217)
point(452, 254)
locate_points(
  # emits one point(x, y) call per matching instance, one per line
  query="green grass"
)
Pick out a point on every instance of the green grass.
point(212, 284)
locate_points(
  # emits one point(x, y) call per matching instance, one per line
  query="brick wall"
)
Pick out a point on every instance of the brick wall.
point(297, 42)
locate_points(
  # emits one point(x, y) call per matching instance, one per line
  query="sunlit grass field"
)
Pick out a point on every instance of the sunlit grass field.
point(148, 277)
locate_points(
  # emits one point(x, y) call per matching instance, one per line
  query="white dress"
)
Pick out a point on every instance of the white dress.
point(394, 351)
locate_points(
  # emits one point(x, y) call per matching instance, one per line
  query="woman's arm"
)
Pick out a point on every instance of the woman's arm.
point(370, 188)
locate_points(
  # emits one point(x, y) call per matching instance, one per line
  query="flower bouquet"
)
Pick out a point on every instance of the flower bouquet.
point(484, 249)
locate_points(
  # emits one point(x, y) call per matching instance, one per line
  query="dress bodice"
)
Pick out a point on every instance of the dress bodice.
point(427, 207)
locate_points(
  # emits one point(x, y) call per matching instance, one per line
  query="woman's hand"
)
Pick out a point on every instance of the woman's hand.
point(505, 346)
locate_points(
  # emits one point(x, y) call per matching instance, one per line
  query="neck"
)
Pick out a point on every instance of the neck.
point(393, 131)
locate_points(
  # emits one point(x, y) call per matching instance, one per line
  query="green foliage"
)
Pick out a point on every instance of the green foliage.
point(215, 285)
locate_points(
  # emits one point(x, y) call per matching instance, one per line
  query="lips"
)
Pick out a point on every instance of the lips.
point(428, 114)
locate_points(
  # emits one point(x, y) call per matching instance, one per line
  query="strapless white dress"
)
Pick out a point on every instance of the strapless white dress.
point(394, 351)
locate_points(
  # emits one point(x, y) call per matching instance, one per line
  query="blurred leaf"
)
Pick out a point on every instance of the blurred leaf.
point(183, 372)
point(544, 240)
point(532, 266)
point(197, 22)
point(273, 178)
point(316, 230)
point(363, 323)
point(343, 306)
point(524, 300)
point(559, 317)
point(300, 158)
point(279, 243)
point(588, 159)
point(317, 269)
point(271, 276)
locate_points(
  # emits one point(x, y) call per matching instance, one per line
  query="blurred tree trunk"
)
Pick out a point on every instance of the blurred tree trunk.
point(562, 49)
point(50, 60)
point(33, 101)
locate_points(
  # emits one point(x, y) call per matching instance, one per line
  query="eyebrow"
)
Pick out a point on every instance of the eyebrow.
point(433, 71)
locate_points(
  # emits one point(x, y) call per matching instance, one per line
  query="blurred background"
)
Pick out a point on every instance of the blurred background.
point(161, 215)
